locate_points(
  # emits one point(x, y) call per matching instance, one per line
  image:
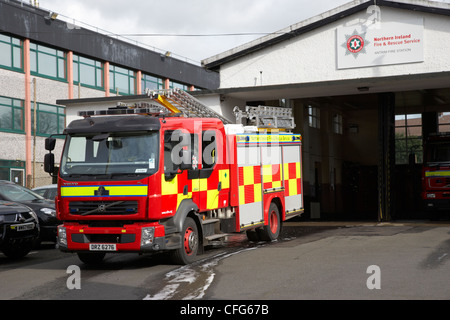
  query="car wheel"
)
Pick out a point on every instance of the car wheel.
point(17, 251)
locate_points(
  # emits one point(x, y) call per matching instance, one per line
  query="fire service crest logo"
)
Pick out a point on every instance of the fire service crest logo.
point(355, 44)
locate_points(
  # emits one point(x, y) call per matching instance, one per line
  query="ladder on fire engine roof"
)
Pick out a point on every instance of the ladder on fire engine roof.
point(179, 101)
point(266, 117)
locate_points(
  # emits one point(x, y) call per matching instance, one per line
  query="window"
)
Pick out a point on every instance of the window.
point(444, 122)
point(209, 147)
point(337, 124)
point(118, 154)
point(11, 115)
point(122, 81)
point(50, 119)
point(180, 147)
point(10, 169)
point(178, 85)
point(87, 72)
point(314, 117)
point(11, 53)
point(47, 62)
point(151, 83)
point(408, 137)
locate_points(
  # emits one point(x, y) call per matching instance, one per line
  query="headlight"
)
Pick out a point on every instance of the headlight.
point(49, 211)
point(62, 236)
point(431, 195)
point(147, 235)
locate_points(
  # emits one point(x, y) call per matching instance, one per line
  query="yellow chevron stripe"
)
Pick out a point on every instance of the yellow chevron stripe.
point(437, 174)
point(114, 191)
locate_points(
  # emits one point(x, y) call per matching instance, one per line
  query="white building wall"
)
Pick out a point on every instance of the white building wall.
point(312, 57)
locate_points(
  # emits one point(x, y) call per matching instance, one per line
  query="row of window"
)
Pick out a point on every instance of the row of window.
point(408, 132)
point(49, 119)
point(52, 63)
point(314, 120)
point(408, 138)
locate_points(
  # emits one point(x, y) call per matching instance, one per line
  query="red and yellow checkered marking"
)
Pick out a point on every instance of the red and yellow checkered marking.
point(205, 191)
point(172, 190)
point(208, 190)
point(292, 179)
point(272, 176)
point(250, 184)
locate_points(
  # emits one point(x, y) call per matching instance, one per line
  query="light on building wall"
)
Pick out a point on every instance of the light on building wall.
point(166, 55)
point(51, 16)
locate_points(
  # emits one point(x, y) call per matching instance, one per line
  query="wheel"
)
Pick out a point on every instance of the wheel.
point(91, 258)
point(272, 230)
point(17, 251)
point(190, 243)
point(252, 235)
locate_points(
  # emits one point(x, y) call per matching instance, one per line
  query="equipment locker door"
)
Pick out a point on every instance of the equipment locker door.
point(249, 184)
point(292, 178)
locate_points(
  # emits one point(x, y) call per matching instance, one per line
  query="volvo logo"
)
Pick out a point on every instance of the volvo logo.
point(101, 208)
point(101, 191)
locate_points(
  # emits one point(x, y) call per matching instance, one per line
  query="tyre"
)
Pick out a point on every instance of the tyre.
point(187, 253)
point(273, 229)
point(252, 235)
point(91, 258)
point(17, 251)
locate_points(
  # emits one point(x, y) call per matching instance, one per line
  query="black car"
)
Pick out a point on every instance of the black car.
point(19, 228)
point(44, 209)
point(48, 192)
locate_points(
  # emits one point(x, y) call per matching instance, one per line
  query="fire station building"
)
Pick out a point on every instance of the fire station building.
point(367, 81)
point(45, 57)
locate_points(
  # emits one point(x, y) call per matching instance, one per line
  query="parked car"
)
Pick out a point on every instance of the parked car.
point(19, 228)
point(44, 209)
point(48, 192)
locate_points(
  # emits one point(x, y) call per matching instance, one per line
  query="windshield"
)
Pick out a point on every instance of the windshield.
point(121, 153)
point(438, 152)
point(14, 192)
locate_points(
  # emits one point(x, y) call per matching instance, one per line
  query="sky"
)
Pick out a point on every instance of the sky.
point(191, 30)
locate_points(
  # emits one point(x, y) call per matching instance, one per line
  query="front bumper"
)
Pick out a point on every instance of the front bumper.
point(10, 234)
point(138, 237)
point(437, 204)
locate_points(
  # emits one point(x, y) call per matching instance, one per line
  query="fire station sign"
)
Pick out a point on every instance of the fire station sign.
point(380, 43)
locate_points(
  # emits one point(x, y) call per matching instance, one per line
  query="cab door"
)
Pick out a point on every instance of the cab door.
point(213, 175)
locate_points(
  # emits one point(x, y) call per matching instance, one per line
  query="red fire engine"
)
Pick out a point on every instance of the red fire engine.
point(138, 179)
point(436, 174)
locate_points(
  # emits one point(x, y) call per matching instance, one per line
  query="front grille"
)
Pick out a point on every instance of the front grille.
point(18, 217)
point(103, 207)
point(103, 238)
